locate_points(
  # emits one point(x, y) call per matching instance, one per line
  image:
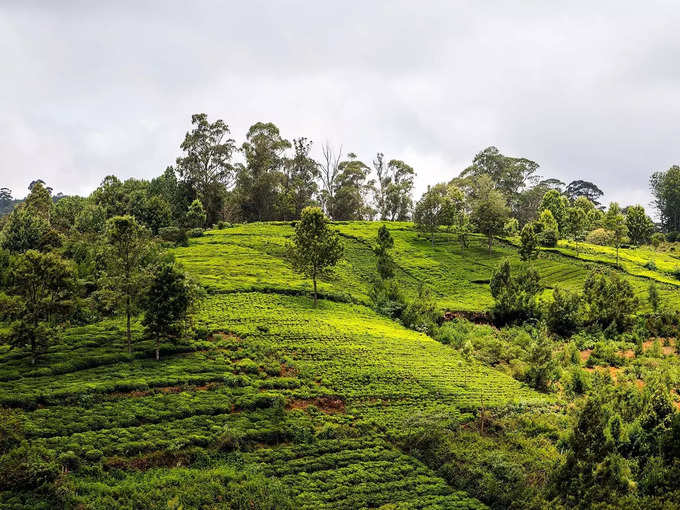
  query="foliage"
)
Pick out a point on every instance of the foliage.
point(489, 209)
point(564, 315)
point(127, 249)
point(609, 301)
point(640, 226)
point(549, 230)
point(206, 165)
point(665, 187)
point(529, 243)
point(421, 313)
point(166, 304)
point(315, 248)
point(195, 216)
point(385, 262)
point(601, 237)
point(516, 296)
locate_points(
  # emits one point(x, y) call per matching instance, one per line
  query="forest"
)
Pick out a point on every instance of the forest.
point(257, 328)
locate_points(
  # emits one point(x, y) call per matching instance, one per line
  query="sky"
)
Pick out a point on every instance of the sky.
point(589, 90)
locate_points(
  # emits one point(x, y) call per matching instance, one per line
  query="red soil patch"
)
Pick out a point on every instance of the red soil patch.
point(220, 335)
point(586, 354)
point(287, 371)
point(329, 405)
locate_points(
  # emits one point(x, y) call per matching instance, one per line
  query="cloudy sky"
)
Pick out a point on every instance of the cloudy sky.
point(589, 90)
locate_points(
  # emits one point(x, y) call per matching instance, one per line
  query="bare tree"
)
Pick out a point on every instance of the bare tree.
point(330, 168)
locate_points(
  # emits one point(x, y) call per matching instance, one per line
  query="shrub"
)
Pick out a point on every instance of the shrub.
point(610, 301)
point(421, 313)
point(27, 467)
point(515, 295)
point(174, 235)
point(195, 232)
point(69, 460)
point(672, 237)
point(564, 315)
point(657, 239)
point(387, 298)
point(600, 237)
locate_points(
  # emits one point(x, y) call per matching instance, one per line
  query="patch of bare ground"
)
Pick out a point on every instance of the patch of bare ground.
point(162, 389)
point(328, 405)
point(287, 371)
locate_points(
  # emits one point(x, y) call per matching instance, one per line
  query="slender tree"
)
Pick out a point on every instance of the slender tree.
point(315, 248)
point(127, 249)
point(489, 209)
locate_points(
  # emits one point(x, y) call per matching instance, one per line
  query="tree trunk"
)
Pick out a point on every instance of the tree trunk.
point(433, 238)
point(314, 280)
point(129, 334)
point(490, 241)
point(158, 349)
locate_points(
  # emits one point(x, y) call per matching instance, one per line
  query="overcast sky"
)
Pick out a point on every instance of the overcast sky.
point(589, 90)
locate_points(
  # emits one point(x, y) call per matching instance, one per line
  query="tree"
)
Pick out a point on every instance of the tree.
point(653, 296)
point(167, 304)
point(6, 201)
point(557, 204)
point(45, 284)
point(127, 249)
point(529, 243)
point(665, 187)
point(385, 261)
point(23, 231)
point(316, 248)
point(66, 211)
point(260, 180)
point(110, 195)
point(564, 315)
point(330, 169)
point(440, 205)
point(38, 202)
point(206, 164)
point(615, 222)
point(586, 189)
point(348, 201)
point(509, 175)
point(195, 217)
point(640, 226)
point(549, 231)
point(609, 300)
point(489, 209)
point(516, 296)
point(299, 184)
point(392, 194)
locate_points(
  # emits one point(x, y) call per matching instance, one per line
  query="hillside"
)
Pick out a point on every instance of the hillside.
point(312, 399)
point(291, 405)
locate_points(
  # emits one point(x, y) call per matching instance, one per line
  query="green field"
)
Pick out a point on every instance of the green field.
point(277, 398)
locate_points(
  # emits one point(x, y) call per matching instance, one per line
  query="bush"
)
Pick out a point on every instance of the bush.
point(27, 468)
point(387, 298)
point(548, 238)
point(421, 313)
point(672, 237)
point(564, 315)
point(515, 295)
point(174, 235)
point(600, 237)
point(195, 232)
point(221, 225)
point(610, 301)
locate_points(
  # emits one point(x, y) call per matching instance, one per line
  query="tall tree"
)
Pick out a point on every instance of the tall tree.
point(260, 179)
point(6, 201)
point(440, 205)
point(510, 175)
point(110, 195)
point(206, 164)
point(665, 187)
point(45, 284)
point(315, 248)
point(351, 187)
point(167, 304)
point(587, 189)
point(640, 226)
point(385, 262)
point(299, 183)
point(558, 205)
point(127, 249)
point(489, 209)
point(615, 222)
point(330, 169)
point(392, 191)
point(38, 202)
point(529, 243)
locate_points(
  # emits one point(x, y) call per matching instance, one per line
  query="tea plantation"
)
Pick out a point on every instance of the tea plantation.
point(282, 403)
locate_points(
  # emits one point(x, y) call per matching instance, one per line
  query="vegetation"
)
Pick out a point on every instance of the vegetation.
point(238, 333)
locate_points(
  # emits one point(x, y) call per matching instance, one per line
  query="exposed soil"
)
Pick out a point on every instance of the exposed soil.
point(328, 405)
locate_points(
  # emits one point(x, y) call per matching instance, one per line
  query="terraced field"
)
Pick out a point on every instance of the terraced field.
point(275, 401)
point(458, 276)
